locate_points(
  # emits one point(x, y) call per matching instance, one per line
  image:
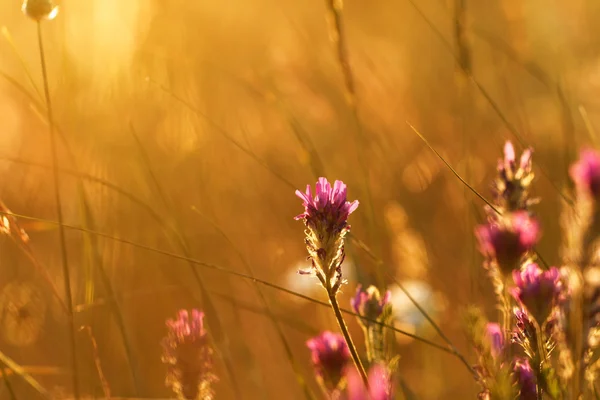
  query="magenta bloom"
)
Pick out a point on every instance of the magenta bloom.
point(369, 303)
point(537, 290)
point(495, 337)
point(188, 356)
point(328, 205)
point(507, 240)
point(586, 173)
point(525, 379)
point(380, 385)
point(330, 357)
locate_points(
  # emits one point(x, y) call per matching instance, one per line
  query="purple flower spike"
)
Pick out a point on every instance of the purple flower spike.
point(370, 304)
point(537, 290)
point(525, 379)
point(330, 357)
point(496, 338)
point(586, 173)
point(188, 356)
point(325, 217)
point(507, 240)
point(380, 386)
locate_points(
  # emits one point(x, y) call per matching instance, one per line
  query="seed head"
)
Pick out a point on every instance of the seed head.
point(40, 9)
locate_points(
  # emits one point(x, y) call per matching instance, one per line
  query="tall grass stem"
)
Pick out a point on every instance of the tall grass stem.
point(61, 230)
point(353, 352)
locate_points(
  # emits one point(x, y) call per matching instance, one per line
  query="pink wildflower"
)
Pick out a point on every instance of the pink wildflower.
point(330, 357)
point(537, 290)
point(495, 338)
point(525, 379)
point(369, 303)
point(508, 239)
point(586, 173)
point(380, 385)
point(188, 356)
point(325, 217)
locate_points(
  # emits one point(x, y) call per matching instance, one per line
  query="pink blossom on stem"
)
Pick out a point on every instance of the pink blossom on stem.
point(330, 357)
point(537, 290)
point(188, 356)
point(380, 385)
point(586, 173)
point(525, 378)
point(326, 220)
point(495, 338)
point(369, 303)
point(511, 187)
point(508, 239)
point(329, 204)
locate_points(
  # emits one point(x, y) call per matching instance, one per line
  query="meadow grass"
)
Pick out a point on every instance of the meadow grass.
point(217, 208)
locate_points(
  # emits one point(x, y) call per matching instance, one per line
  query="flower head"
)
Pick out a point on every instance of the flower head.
point(525, 379)
point(380, 384)
point(370, 304)
point(325, 217)
point(511, 187)
point(39, 9)
point(586, 173)
point(330, 357)
point(537, 290)
point(508, 239)
point(188, 356)
point(329, 204)
point(495, 338)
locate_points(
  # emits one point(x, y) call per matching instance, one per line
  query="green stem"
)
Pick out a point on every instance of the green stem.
point(61, 229)
point(507, 319)
point(340, 319)
point(541, 356)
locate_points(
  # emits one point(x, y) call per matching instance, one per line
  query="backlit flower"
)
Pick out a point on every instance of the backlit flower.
point(325, 217)
point(380, 384)
point(508, 239)
point(525, 379)
point(537, 290)
point(369, 303)
point(330, 357)
point(511, 187)
point(495, 338)
point(189, 357)
point(586, 173)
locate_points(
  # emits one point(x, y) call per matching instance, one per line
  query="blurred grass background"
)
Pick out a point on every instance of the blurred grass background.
point(187, 126)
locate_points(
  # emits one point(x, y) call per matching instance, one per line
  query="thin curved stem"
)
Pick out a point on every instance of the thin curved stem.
point(61, 229)
point(340, 320)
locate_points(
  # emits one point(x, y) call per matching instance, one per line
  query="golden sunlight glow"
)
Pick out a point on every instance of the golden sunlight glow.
point(102, 35)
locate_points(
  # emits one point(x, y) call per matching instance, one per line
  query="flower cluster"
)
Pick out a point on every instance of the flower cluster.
point(325, 217)
point(528, 295)
point(187, 353)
